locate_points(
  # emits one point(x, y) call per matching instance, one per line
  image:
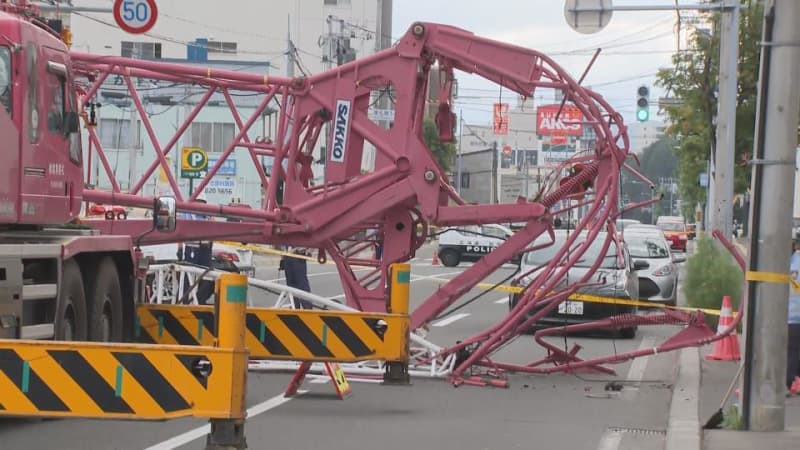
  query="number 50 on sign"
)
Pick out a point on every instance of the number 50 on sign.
point(135, 16)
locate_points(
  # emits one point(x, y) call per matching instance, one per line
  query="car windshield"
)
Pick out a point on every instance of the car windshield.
point(671, 226)
point(543, 256)
point(641, 246)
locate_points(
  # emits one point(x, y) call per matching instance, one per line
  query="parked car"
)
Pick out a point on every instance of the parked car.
point(622, 224)
point(658, 282)
point(674, 228)
point(614, 278)
point(471, 243)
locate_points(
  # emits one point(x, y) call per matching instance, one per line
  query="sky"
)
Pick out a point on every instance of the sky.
point(635, 45)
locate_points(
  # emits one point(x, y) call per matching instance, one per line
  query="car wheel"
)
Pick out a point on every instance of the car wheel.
point(628, 333)
point(449, 257)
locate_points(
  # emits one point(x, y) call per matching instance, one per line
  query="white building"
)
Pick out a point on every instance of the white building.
point(644, 134)
point(245, 35)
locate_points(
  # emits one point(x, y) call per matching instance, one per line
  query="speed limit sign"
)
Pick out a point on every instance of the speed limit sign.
point(135, 16)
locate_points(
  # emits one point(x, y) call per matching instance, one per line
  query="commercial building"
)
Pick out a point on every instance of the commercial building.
point(253, 38)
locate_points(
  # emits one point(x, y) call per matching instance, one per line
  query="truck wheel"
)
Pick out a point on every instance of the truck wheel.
point(105, 303)
point(449, 257)
point(71, 313)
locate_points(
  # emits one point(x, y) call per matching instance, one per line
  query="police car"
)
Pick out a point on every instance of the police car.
point(471, 243)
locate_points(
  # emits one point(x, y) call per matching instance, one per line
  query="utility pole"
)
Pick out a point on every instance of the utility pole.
point(724, 154)
point(289, 49)
point(764, 389)
point(458, 157)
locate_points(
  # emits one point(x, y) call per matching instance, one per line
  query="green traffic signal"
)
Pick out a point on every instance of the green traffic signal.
point(642, 115)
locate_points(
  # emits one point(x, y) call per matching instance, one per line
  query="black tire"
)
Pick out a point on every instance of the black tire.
point(105, 303)
point(449, 257)
point(71, 317)
point(122, 215)
point(628, 333)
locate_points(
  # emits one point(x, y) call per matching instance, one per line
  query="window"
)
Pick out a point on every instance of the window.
point(211, 136)
point(222, 47)
point(5, 78)
point(55, 112)
point(337, 3)
point(115, 133)
point(465, 180)
point(140, 50)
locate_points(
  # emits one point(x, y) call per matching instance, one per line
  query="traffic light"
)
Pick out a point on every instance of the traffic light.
point(643, 104)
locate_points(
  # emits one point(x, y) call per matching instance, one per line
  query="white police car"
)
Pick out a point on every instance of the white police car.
point(471, 243)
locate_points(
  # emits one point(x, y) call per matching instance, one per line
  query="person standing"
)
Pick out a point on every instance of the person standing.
point(793, 347)
point(199, 253)
point(296, 271)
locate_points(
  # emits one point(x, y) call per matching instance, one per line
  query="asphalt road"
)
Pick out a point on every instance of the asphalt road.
point(537, 411)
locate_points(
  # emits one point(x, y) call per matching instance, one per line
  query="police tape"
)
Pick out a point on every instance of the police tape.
point(599, 299)
point(265, 250)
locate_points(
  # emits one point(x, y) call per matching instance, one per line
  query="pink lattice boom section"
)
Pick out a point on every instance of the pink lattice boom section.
point(405, 192)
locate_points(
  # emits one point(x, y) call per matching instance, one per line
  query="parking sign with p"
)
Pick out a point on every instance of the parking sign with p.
point(194, 161)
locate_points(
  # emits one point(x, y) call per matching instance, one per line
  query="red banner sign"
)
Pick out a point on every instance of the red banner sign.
point(501, 118)
point(570, 121)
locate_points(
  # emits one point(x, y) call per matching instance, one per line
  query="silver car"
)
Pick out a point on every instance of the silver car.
point(658, 281)
point(615, 277)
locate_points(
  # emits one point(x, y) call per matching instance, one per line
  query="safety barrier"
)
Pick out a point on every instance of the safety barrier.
point(131, 381)
point(284, 334)
point(424, 359)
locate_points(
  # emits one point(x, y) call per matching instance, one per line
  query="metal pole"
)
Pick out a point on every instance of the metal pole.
point(724, 154)
point(458, 157)
point(230, 307)
point(289, 48)
point(764, 385)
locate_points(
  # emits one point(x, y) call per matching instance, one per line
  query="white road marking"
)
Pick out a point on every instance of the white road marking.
point(637, 369)
point(436, 277)
point(610, 440)
point(197, 433)
point(334, 272)
point(447, 321)
point(502, 300)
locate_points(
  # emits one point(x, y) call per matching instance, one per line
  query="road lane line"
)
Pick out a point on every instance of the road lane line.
point(334, 272)
point(434, 277)
point(610, 440)
point(197, 433)
point(637, 369)
point(449, 320)
point(502, 300)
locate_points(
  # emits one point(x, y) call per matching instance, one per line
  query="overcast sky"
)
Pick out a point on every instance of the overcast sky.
point(635, 45)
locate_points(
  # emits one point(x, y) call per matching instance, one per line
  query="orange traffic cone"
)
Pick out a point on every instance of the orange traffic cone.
point(727, 348)
point(435, 260)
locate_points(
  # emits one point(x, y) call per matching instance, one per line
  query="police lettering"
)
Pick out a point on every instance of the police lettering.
point(479, 248)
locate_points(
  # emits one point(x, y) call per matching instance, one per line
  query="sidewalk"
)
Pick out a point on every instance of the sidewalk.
point(698, 391)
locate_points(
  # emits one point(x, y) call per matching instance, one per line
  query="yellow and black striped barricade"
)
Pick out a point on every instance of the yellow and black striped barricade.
point(118, 381)
point(129, 381)
point(284, 334)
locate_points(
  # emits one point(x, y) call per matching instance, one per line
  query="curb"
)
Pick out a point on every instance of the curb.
point(683, 428)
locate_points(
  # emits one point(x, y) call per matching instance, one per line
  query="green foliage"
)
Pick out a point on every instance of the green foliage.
point(658, 160)
point(712, 273)
point(444, 152)
point(693, 79)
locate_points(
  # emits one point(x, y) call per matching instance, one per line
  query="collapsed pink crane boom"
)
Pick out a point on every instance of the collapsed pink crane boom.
point(403, 193)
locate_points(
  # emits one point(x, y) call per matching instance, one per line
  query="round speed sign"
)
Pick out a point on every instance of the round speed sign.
point(135, 16)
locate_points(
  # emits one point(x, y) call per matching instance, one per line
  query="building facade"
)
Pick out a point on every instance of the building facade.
point(253, 36)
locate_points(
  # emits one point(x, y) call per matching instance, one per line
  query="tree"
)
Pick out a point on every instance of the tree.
point(657, 161)
point(444, 152)
point(693, 80)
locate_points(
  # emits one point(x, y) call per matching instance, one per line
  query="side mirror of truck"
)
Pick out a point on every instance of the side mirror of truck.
point(165, 214)
point(72, 122)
